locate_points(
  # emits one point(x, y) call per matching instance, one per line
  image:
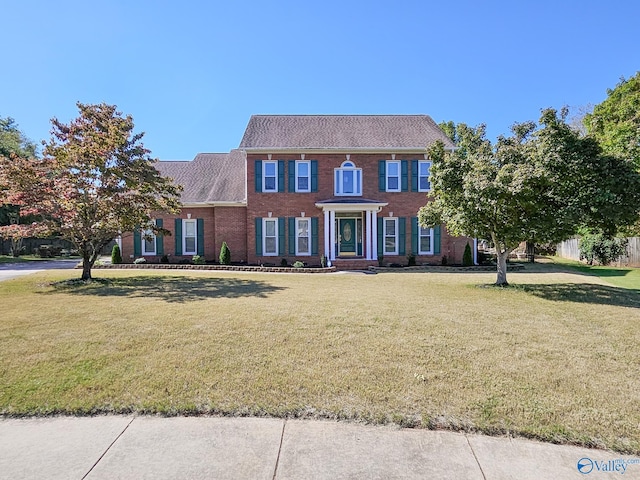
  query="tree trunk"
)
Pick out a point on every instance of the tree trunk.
point(86, 267)
point(502, 268)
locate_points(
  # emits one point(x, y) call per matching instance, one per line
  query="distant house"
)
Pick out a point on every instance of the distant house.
point(302, 186)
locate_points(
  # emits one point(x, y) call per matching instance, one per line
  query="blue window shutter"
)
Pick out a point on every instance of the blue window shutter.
point(402, 236)
point(292, 176)
point(281, 235)
point(436, 239)
point(314, 236)
point(281, 175)
point(258, 175)
point(159, 239)
point(415, 235)
point(404, 179)
point(380, 236)
point(414, 175)
point(200, 236)
point(314, 175)
point(259, 236)
point(292, 236)
point(137, 242)
point(178, 234)
point(382, 176)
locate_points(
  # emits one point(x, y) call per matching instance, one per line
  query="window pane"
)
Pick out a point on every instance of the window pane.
point(303, 183)
point(189, 229)
point(389, 245)
point(392, 169)
point(425, 244)
point(424, 168)
point(392, 183)
point(270, 228)
point(424, 183)
point(270, 245)
point(303, 244)
point(149, 245)
point(270, 169)
point(269, 183)
point(347, 182)
point(303, 169)
point(190, 244)
point(303, 228)
point(389, 227)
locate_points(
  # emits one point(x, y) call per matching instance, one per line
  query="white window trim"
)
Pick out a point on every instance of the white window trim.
point(338, 180)
point(385, 236)
point(264, 237)
point(151, 235)
point(420, 163)
point(264, 176)
point(308, 176)
point(422, 252)
point(387, 176)
point(184, 237)
point(309, 236)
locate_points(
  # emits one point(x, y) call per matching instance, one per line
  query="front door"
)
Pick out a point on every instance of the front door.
point(347, 243)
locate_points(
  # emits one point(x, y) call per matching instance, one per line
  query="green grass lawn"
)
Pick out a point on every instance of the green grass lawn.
point(554, 358)
point(625, 277)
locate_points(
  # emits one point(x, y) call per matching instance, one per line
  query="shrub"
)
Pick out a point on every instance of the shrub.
point(601, 248)
point(467, 258)
point(116, 256)
point(225, 254)
point(298, 264)
point(138, 261)
point(411, 260)
point(284, 263)
point(444, 260)
point(381, 260)
point(164, 258)
point(323, 261)
point(197, 260)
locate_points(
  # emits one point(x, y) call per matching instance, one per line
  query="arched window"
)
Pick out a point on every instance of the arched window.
point(348, 180)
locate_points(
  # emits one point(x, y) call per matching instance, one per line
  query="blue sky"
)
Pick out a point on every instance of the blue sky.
point(191, 73)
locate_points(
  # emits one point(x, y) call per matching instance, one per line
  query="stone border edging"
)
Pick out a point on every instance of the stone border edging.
point(438, 268)
point(226, 268)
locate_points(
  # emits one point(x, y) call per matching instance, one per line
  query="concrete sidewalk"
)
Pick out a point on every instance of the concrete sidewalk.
point(14, 270)
point(140, 447)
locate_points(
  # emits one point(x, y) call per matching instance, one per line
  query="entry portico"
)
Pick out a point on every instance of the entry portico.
point(351, 227)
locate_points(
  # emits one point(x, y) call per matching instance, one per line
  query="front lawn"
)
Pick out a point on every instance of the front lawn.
point(626, 277)
point(555, 357)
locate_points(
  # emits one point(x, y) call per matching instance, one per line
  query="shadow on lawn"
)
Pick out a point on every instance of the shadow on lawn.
point(584, 293)
point(170, 289)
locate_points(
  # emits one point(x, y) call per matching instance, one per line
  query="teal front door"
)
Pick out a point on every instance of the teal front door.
point(347, 244)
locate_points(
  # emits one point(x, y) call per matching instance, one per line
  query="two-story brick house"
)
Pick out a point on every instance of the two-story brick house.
point(302, 186)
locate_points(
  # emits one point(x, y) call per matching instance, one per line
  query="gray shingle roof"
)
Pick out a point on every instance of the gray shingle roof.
point(209, 177)
point(341, 132)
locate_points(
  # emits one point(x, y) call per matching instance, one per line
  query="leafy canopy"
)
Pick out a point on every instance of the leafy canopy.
point(95, 180)
point(541, 183)
point(615, 122)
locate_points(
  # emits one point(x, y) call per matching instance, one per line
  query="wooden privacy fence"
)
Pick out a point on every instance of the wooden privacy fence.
point(569, 249)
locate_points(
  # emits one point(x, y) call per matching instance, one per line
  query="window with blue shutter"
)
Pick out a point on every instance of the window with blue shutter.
point(137, 242)
point(314, 236)
point(258, 224)
point(281, 235)
point(404, 181)
point(314, 175)
point(258, 175)
point(414, 175)
point(292, 235)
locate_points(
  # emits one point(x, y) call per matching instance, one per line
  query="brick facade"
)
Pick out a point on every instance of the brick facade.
point(223, 180)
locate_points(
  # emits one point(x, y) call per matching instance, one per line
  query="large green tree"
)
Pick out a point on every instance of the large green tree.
point(541, 184)
point(12, 140)
point(615, 122)
point(95, 180)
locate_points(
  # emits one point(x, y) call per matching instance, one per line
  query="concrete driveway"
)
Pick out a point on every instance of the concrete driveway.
point(13, 270)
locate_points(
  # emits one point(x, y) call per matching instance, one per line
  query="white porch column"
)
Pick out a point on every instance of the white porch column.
point(326, 234)
point(332, 238)
point(368, 234)
point(374, 234)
